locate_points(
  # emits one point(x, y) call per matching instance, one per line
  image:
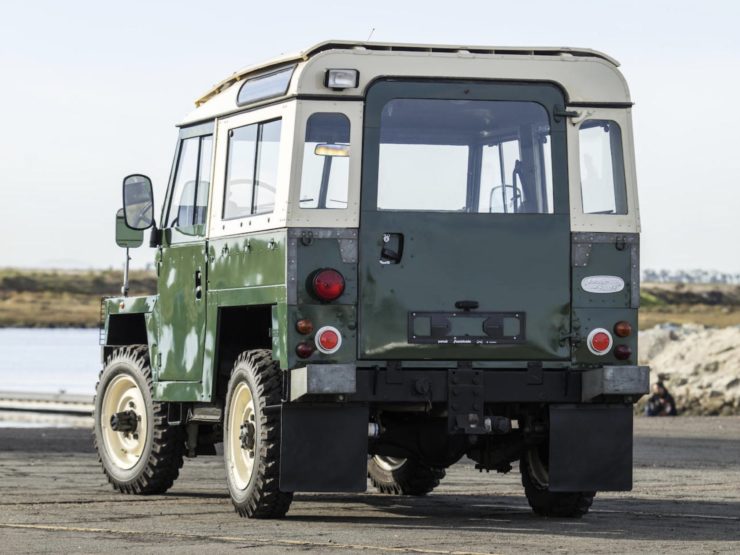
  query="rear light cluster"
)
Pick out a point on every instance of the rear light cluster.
point(600, 341)
point(325, 285)
point(327, 340)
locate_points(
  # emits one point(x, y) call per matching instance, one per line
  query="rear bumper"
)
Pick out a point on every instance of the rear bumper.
point(327, 382)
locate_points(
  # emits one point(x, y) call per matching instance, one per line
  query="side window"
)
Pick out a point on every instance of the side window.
point(189, 200)
point(204, 180)
point(325, 173)
point(251, 170)
point(603, 189)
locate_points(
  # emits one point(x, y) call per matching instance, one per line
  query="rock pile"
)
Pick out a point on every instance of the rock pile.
point(700, 366)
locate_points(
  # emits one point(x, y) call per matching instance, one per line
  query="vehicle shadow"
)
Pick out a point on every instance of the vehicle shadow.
point(613, 518)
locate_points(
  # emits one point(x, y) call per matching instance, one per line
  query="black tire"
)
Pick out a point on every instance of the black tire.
point(408, 477)
point(260, 496)
point(544, 502)
point(162, 449)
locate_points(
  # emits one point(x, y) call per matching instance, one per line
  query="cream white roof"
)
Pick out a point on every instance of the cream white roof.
point(595, 79)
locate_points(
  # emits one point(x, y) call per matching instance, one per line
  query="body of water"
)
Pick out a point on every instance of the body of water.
point(49, 360)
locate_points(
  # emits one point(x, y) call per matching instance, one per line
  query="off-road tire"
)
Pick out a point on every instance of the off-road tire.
point(161, 459)
point(552, 504)
point(261, 498)
point(411, 478)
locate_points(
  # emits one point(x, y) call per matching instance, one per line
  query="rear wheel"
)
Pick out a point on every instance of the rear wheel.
point(139, 451)
point(535, 479)
point(252, 437)
point(398, 476)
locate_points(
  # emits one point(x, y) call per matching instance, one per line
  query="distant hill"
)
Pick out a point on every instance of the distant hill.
point(690, 276)
point(61, 298)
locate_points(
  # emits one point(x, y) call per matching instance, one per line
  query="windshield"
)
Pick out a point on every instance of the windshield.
point(473, 156)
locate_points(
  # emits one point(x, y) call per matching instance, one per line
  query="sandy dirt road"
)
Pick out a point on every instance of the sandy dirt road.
point(686, 498)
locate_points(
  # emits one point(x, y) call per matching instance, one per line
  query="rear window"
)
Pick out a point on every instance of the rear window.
point(475, 156)
point(325, 173)
point(603, 189)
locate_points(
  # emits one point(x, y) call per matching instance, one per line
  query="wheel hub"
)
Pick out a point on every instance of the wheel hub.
point(126, 421)
point(246, 436)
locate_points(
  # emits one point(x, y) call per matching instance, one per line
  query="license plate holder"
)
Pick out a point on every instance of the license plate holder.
point(467, 328)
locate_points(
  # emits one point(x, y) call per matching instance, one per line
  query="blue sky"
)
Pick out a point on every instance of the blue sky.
point(90, 91)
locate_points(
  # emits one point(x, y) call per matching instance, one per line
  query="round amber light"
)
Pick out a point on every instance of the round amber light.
point(304, 326)
point(623, 329)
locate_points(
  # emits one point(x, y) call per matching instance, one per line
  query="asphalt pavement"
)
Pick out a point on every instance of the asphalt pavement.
point(686, 498)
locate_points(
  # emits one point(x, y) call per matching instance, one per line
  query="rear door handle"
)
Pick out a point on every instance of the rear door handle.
point(391, 251)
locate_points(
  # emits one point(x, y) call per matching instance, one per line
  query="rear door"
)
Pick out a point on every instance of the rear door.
point(465, 234)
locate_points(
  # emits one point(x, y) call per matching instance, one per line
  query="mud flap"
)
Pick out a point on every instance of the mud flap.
point(323, 448)
point(590, 448)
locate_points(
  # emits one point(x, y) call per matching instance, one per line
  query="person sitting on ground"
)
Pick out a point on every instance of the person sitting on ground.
point(661, 402)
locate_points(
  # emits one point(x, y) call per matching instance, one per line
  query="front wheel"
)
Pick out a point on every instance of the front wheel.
point(397, 476)
point(535, 479)
point(139, 451)
point(252, 437)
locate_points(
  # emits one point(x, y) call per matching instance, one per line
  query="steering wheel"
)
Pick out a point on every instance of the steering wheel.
point(516, 197)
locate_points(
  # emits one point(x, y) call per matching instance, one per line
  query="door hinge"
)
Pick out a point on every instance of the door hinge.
point(560, 112)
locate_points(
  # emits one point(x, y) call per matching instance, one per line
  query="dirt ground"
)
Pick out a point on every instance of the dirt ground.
point(686, 498)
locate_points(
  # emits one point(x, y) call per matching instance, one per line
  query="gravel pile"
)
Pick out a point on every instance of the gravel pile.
point(700, 366)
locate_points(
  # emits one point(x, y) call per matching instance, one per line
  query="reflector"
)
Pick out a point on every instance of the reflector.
point(328, 340)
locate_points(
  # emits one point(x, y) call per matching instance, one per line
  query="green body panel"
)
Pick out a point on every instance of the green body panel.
point(325, 253)
point(130, 305)
point(280, 351)
point(254, 260)
point(604, 259)
point(512, 263)
point(182, 310)
point(181, 391)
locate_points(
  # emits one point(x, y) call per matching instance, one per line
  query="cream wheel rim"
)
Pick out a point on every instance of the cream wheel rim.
point(241, 436)
point(124, 449)
point(389, 464)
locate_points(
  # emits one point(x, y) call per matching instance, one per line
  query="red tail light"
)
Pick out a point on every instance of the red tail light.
point(599, 341)
point(326, 285)
point(304, 350)
point(328, 340)
point(622, 352)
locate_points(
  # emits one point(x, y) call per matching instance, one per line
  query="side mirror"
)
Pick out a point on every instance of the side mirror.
point(138, 202)
point(126, 237)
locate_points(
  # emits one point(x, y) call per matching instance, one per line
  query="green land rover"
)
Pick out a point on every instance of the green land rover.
point(375, 259)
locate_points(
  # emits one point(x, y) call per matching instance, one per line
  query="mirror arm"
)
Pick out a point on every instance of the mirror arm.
point(155, 236)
